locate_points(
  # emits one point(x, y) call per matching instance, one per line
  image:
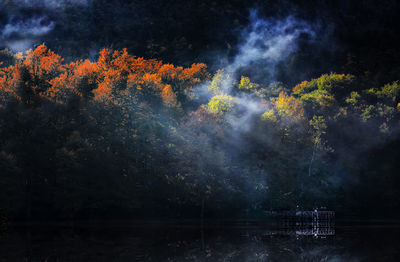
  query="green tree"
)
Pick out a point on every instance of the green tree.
point(219, 82)
point(221, 104)
point(246, 84)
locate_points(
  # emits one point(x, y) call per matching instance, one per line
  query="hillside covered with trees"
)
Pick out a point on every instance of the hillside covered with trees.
point(126, 137)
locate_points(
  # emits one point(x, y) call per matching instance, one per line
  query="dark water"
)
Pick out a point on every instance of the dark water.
point(188, 243)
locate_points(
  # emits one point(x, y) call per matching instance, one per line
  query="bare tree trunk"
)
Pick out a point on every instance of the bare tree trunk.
point(202, 210)
point(202, 221)
point(312, 159)
point(28, 197)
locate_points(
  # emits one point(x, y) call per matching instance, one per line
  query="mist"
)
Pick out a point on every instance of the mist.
point(20, 35)
point(256, 112)
point(48, 4)
point(199, 130)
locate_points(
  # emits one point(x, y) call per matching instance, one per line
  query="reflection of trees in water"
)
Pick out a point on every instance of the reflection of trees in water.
point(172, 244)
point(281, 245)
point(185, 243)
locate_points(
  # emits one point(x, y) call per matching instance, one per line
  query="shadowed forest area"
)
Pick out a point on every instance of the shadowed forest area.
point(110, 116)
point(129, 137)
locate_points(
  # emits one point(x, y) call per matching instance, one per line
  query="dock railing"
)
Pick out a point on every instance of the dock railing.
point(322, 218)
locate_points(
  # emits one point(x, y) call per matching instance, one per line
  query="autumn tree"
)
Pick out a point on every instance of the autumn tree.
point(325, 93)
point(221, 104)
point(318, 125)
point(246, 84)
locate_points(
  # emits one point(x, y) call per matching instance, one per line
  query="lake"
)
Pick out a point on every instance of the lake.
point(155, 242)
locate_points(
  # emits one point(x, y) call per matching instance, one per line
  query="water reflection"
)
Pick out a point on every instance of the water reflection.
point(314, 231)
point(188, 243)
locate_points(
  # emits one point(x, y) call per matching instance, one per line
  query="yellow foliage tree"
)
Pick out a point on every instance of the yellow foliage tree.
point(220, 104)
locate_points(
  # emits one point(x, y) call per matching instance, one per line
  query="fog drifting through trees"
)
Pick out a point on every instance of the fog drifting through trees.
point(119, 136)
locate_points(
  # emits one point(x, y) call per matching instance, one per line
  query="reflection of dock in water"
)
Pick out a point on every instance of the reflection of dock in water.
point(304, 231)
point(305, 223)
point(316, 231)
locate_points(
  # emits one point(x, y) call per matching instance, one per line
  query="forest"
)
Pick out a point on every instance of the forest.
point(133, 138)
point(170, 130)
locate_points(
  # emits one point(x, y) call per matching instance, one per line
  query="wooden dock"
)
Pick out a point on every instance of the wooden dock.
point(315, 215)
point(321, 218)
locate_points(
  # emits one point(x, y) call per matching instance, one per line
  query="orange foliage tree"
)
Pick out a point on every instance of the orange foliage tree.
point(116, 73)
